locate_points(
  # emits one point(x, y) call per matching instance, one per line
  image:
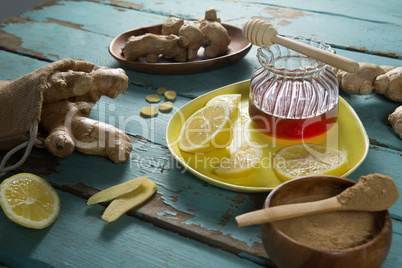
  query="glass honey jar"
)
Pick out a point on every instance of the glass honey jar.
point(293, 96)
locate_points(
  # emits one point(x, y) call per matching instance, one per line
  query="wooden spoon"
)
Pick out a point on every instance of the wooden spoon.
point(260, 32)
point(373, 192)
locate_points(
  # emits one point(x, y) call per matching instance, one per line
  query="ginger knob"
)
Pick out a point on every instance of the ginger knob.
point(396, 121)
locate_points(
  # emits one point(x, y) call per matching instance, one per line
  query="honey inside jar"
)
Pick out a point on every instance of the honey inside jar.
point(293, 96)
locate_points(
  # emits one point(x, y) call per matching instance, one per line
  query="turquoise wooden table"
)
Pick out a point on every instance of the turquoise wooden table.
point(188, 223)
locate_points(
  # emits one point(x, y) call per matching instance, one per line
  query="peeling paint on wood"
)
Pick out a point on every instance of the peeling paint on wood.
point(157, 212)
point(10, 42)
point(284, 22)
point(281, 13)
point(375, 142)
point(126, 4)
point(186, 210)
point(45, 4)
point(66, 23)
point(378, 53)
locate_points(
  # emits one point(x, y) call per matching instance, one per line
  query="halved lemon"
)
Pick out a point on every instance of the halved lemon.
point(301, 160)
point(242, 162)
point(233, 100)
point(207, 129)
point(29, 200)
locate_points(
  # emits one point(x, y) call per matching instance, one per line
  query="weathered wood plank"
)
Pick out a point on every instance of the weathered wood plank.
point(78, 238)
point(394, 257)
point(357, 34)
point(357, 29)
point(385, 12)
point(242, 69)
point(124, 111)
point(176, 205)
point(50, 34)
point(200, 83)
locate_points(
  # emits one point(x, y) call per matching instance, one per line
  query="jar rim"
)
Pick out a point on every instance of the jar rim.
point(268, 57)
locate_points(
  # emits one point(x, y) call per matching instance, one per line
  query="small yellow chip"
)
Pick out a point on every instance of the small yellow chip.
point(161, 90)
point(149, 111)
point(165, 106)
point(170, 95)
point(153, 98)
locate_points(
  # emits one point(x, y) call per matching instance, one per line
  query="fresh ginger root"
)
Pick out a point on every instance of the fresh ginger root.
point(218, 39)
point(59, 97)
point(396, 120)
point(191, 38)
point(385, 80)
point(362, 81)
point(180, 40)
point(172, 25)
point(151, 45)
point(66, 119)
point(390, 84)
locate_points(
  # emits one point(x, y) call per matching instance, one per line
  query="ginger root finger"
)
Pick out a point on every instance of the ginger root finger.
point(191, 37)
point(152, 45)
point(390, 84)
point(53, 117)
point(98, 138)
point(59, 142)
point(360, 82)
point(217, 35)
point(386, 80)
point(218, 38)
point(108, 82)
point(66, 120)
point(172, 26)
point(63, 85)
point(396, 121)
point(65, 65)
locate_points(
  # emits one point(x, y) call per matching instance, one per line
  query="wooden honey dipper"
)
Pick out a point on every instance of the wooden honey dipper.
point(260, 32)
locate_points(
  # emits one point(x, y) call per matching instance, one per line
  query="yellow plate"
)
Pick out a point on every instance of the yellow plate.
point(347, 135)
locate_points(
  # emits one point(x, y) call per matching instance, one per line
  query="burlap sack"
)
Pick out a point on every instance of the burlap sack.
point(21, 100)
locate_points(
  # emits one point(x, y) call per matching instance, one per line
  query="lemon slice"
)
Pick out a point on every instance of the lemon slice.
point(29, 200)
point(242, 162)
point(309, 159)
point(207, 129)
point(233, 100)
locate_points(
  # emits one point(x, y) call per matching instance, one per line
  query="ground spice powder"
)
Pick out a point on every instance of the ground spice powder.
point(330, 230)
point(344, 229)
point(372, 192)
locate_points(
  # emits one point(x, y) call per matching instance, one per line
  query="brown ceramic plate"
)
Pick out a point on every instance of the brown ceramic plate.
point(238, 48)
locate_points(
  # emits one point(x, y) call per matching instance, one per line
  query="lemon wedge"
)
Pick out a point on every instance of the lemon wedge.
point(242, 162)
point(29, 200)
point(207, 129)
point(233, 100)
point(301, 160)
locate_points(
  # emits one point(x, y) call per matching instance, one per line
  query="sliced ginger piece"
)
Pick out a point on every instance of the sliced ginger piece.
point(153, 98)
point(117, 190)
point(165, 106)
point(161, 90)
point(124, 203)
point(170, 95)
point(149, 111)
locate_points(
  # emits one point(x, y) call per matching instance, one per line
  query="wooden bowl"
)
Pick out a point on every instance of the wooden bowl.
point(285, 251)
point(238, 48)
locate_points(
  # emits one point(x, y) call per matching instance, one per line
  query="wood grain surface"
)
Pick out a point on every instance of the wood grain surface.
point(188, 223)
